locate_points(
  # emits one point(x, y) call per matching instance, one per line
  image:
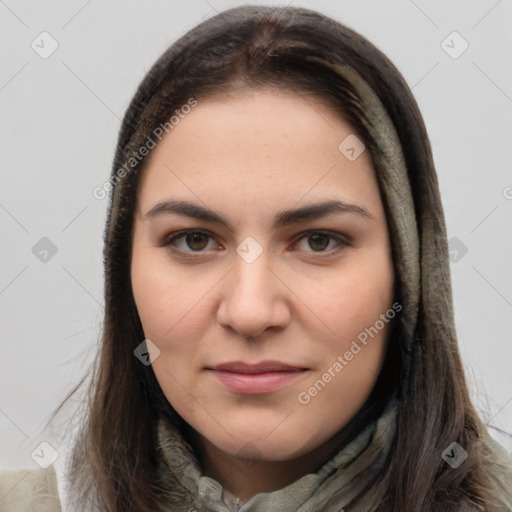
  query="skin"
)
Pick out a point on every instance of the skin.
point(248, 157)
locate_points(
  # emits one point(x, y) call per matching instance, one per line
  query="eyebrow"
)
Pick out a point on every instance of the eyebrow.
point(281, 219)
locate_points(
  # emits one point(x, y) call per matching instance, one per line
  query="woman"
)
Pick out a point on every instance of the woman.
point(279, 330)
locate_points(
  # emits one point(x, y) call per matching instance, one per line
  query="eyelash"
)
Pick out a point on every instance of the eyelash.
point(169, 241)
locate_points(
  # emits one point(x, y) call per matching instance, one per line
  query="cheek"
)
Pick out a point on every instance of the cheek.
point(172, 305)
point(161, 293)
point(354, 299)
point(169, 308)
point(354, 351)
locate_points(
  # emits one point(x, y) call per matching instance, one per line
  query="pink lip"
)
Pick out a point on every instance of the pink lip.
point(264, 377)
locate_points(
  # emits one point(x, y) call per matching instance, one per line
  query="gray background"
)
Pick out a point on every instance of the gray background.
point(59, 121)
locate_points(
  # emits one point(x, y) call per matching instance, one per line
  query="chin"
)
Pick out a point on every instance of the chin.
point(256, 445)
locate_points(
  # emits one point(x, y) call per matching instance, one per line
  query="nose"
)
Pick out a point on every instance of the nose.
point(254, 298)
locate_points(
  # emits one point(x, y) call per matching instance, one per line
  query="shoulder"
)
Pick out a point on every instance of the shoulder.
point(24, 490)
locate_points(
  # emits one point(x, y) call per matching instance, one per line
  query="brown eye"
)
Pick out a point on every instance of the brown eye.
point(318, 242)
point(187, 241)
point(196, 241)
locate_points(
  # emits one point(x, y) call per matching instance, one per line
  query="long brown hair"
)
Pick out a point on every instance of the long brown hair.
point(262, 47)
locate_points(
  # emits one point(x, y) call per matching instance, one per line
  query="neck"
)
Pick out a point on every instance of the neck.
point(243, 477)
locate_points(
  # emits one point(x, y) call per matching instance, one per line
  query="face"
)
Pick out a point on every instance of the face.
point(270, 309)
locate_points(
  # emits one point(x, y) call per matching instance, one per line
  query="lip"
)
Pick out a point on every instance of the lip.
point(261, 367)
point(263, 377)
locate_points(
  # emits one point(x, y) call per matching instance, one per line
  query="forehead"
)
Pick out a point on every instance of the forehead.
point(253, 120)
point(255, 144)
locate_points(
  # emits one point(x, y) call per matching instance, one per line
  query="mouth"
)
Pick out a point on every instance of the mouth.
point(260, 378)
